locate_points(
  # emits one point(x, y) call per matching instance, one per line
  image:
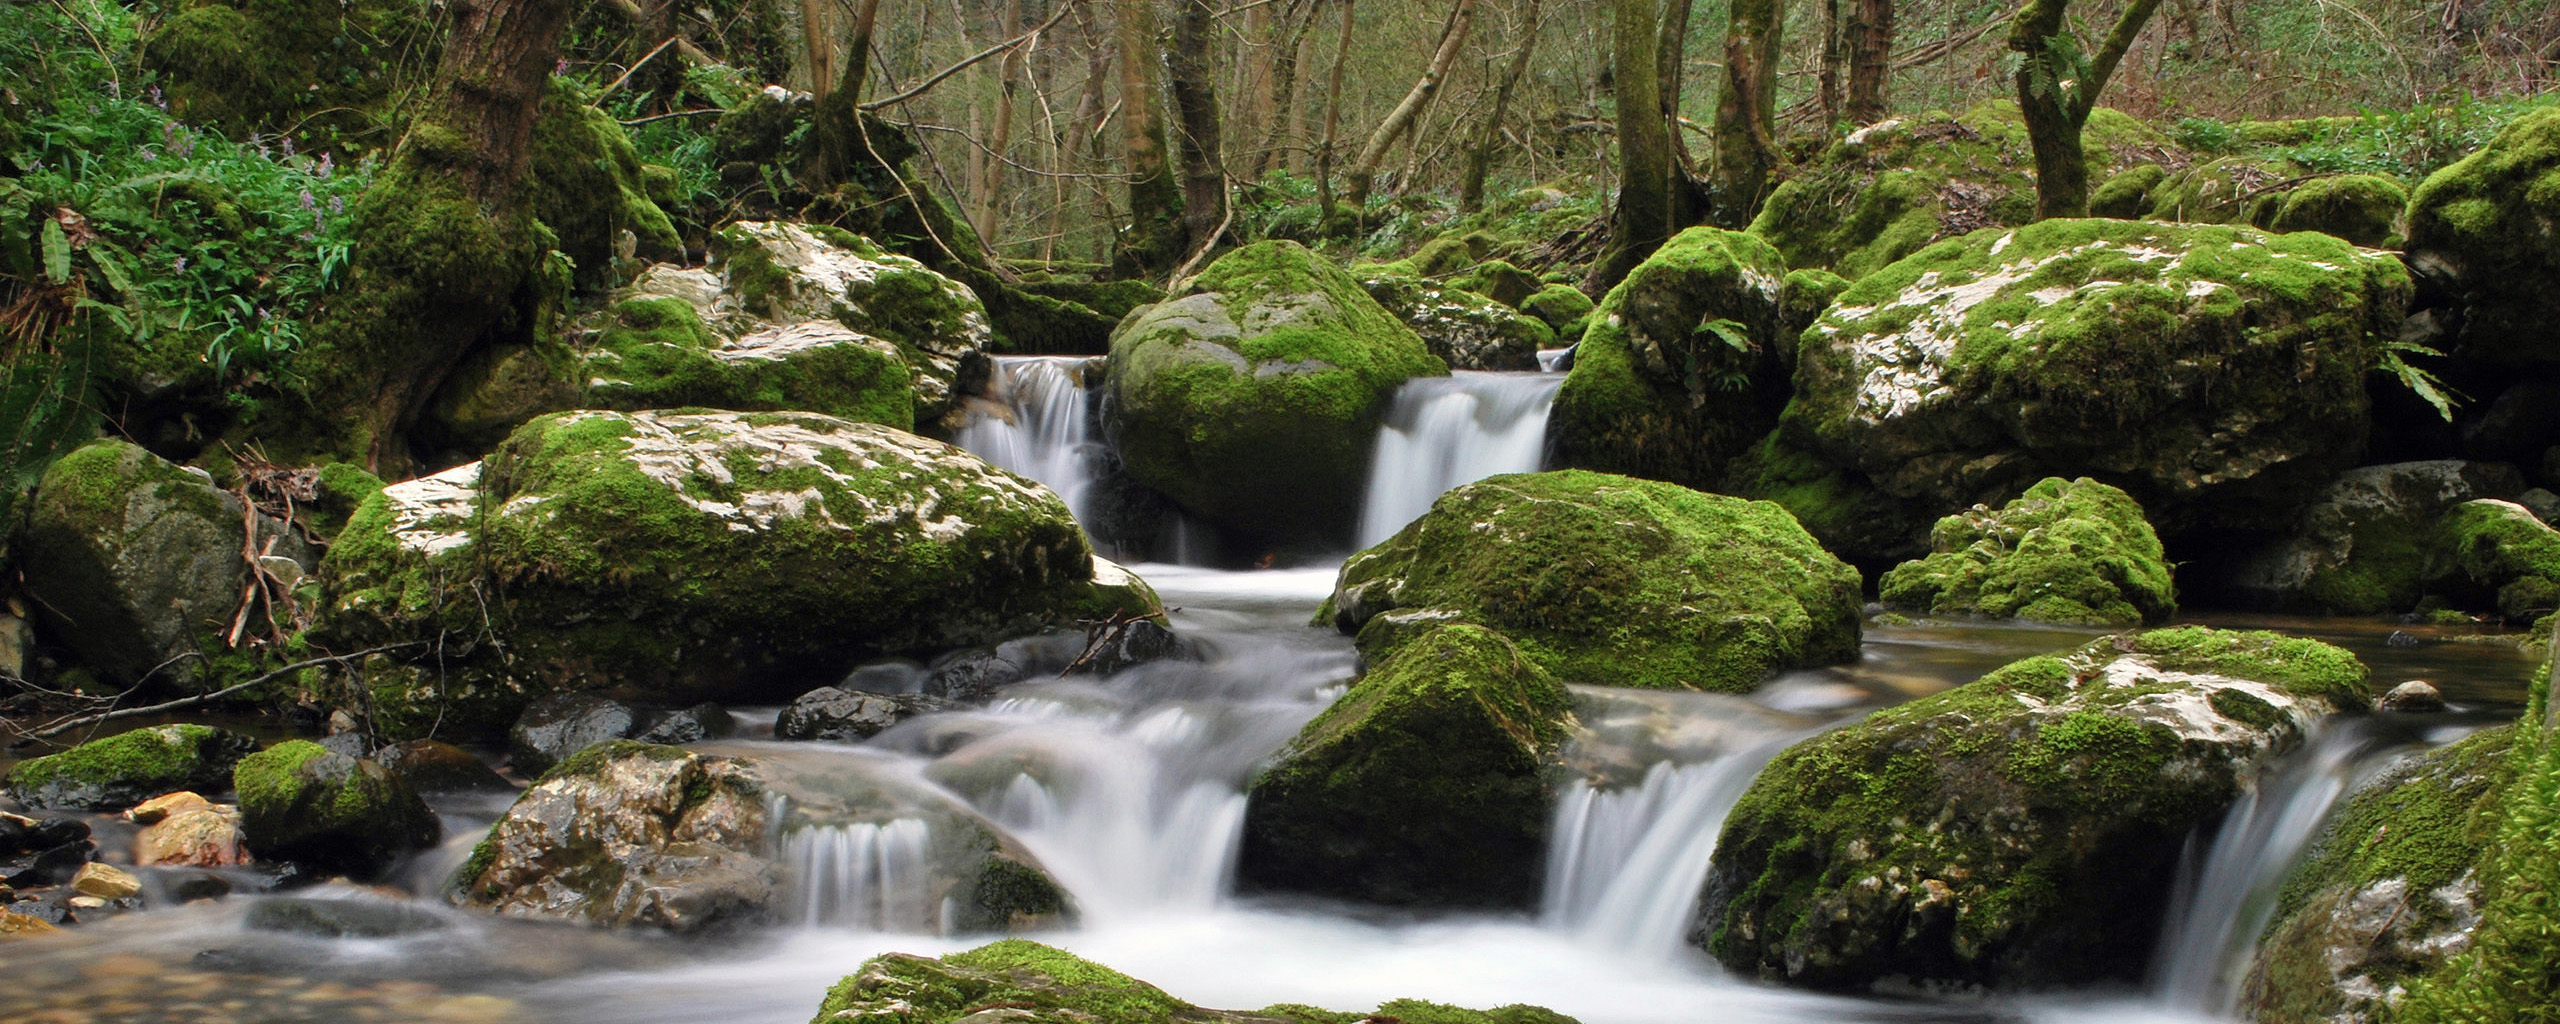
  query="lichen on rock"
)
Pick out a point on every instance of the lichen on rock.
point(2067, 551)
point(130, 767)
point(786, 273)
point(658, 353)
point(1466, 330)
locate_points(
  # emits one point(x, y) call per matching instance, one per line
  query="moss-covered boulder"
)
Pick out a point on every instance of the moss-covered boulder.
point(1684, 364)
point(1839, 506)
point(128, 768)
point(657, 353)
point(1891, 188)
point(137, 565)
point(2388, 894)
point(303, 803)
point(1427, 783)
point(2217, 374)
point(2492, 555)
point(1806, 294)
point(784, 273)
point(2363, 546)
point(637, 834)
point(674, 558)
point(324, 70)
point(1466, 330)
point(2230, 190)
point(2484, 233)
point(2014, 832)
point(2361, 208)
point(1609, 581)
point(1037, 983)
point(586, 186)
point(2068, 551)
point(1562, 307)
point(1252, 400)
point(2127, 195)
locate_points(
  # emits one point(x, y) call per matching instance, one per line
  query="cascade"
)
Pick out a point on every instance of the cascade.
point(1040, 424)
point(1624, 866)
point(865, 876)
point(1446, 431)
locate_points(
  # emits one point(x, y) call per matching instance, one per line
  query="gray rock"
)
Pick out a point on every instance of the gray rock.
point(829, 713)
point(430, 766)
point(1136, 643)
point(2517, 425)
point(306, 805)
point(705, 721)
point(130, 767)
point(339, 919)
point(1467, 330)
point(2543, 504)
point(971, 675)
point(2358, 549)
point(2416, 695)
point(559, 724)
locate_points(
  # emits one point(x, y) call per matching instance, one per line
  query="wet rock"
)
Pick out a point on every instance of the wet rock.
point(832, 714)
point(128, 768)
point(206, 836)
point(559, 724)
point(14, 925)
point(971, 675)
point(2361, 546)
point(329, 812)
point(2543, 504)
point(26, 835)
point(152, 811)
point(1466, 330)
point(2076, 552)
point(135, 562)
point(2516, 425)
point(53, 866)
point(190, 886)
point(2480, 235)
point(104, 882)
point(17, 640)
point(340, 918)
point(700, 722)
point(2017, 831)
point(1114, 648)
point(2495, 555)
point(2416, 695)
point(2401, 640)
point(887, 675)
point(431, 766)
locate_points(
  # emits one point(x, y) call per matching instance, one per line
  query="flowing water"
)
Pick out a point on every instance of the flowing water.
point(1447, 431)
point(1038, 421)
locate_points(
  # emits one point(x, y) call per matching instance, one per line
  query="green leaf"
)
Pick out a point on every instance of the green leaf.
point(1732, 332)
point(111, 266)
point(57, 252)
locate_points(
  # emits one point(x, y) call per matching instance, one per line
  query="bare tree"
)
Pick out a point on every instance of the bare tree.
point(1195, 102)
point(1364, 168)
point(1489, 134)
point(2057, 87)
point(1326, 207)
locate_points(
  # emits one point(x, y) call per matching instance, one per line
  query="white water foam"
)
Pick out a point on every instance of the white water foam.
point(1446, 431)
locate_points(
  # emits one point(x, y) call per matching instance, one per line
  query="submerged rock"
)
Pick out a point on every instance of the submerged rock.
point(431, 766)
point(1684, 365)
point(1427, 783)
point(131, 767)
point(2076, 552)
point(2217, 374)
point(1466, 330)
point(682, 557)
point(135, 563)
point(2484, 238)
point(1252, 401)
point(2017, 831)
point(301, 802)
point(1609, 580)
point(828, 713)
point(2361, 547)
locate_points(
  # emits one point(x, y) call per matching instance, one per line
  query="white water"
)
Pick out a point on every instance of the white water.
point(1040, 424)
point(1624, 867)
point(1447, 431)
point(861, 876)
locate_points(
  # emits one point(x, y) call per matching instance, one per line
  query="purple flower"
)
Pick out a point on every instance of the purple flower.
point(325, 164)
point(560, 68)
point(288, 147)
point(307, 200)
point(337, 205)
point(178, 266)
point(156, 100)
point(316, 223)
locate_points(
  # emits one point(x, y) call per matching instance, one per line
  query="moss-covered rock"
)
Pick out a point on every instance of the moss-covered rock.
point(1684, 364)
point(1252, 400)
point(2362, 547)
point(2016, 831)
point(1427, 783)
point(1806, 294)
point(657, 353)
point(2231, 190)
point(1562, 307)
point(674, 558)
point(1500, 281)
point(784, 273)
point(2388, 894)
point(1037, 983)
point(1840, 507)
point(2495, 555)
point(2361, 208)
point(1610, 581)
point(586, 185)
point(1466, 330)
point(1892, 188)
point(129, 768)
point(306, 804)
point(2127, 195)
point(324, 71)
point(2485, 232)
point(2217, 374)
point(2067, 551)
point(136, 564)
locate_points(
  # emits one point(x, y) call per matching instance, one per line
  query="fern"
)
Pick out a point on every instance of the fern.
point(2426, 385)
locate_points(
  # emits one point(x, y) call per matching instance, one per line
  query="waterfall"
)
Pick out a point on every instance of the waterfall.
point(1447, 431)
point(1624, 866)
point(2222, 904)
point(1044, 428)
point(866, 876)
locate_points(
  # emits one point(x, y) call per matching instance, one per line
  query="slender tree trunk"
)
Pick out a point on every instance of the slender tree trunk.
point(1364, 168)
point(1828, 81)
point(1195, 101)
point(1870, 43)
point(1258, 60)
point(1747, 158)
point(1325, 203)
point(837, 122)
point(1489, 134)
point(1000, 145)
point(1642, 221)
point(818, 43)
point(1154, 239)
point(1671, 60)
point(2056, 93)
point(1280, 128)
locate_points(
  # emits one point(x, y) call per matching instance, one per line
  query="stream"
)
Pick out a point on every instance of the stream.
point(1130, 789)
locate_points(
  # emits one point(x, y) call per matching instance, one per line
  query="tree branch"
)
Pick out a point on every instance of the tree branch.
point(977, 57)
point(59, 728)
point(2128, 27)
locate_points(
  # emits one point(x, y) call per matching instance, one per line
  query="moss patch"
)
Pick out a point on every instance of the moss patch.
point(2076, 552)
point(2361, 208)
point(2489, 227)
point(2491, 554)
point(656, 353)
point(303, 803)
point(129, 768)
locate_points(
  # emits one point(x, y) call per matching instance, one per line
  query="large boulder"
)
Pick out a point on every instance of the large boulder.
point(2361, 547)
point(2217, 374)
point(1027, 981)
point(1684, 364)
point(2068, 551)
point(304, 803)
point(1252, 400)
point(1466, 330)
point(2484, 238)
point(1428, 782)
point(674, 558)
point(2229, 190)
point(656, 352)
point(2016, 831)
point(626, 834)
point(139, 565)
point(1610, 581)
point(784, 273)
point(2493, 555)
point(2361, 208)
point(130, 767)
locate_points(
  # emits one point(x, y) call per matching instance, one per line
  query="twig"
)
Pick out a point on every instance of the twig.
point(680, 113)
point(981, 55)
point(1182, 274)
point(59, 728)
point(637, 65)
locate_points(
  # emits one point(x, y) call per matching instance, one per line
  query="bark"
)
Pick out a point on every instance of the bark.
point(1153, 240)
point(818, 42)
point(1195, 101)
point(2054, 111)
point(1489, 135)
point(1281, 124)
point(1364, 168)
point(1869, 38)
point(1643, 217)
point(1671, 58)
point(1747, 158)
point(1828, 80)
point(836, 125)
point(1325, 203)
point(1009, 72)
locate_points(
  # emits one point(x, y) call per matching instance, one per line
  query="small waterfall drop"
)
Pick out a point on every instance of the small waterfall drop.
point(1446, 431)
point(1624, 866)
point(867, 876)
point(1044, 427)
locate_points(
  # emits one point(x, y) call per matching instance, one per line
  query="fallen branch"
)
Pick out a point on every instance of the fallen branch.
point(59, 728)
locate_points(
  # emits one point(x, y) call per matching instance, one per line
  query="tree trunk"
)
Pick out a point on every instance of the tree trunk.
point(1869, 35)
point(1643, 218)
point(2056, 93)
point(837, 122)
point(1326, 208)
point(1364, 168)
point(1154, 240)
point(1279, 127)
point(1489, 134)
point(453, 258)
point(818, 44)
point(1747, 157)
point(1828, 79)
point(991, 184)
point(1195, 101)
point(1671, 60)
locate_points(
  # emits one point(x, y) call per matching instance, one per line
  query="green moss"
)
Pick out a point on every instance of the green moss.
point(2231, 190)
point(1808, 292)
point(300, 802)
point(2496, 555)
point(2128, 194)
point(1612, 581)
point(1838, 506)
point(1562, 307)
point(1424, 784)
point(2361, 208)
point(326, 72)
point(658, 354)
point(2486, 222)
point(1465, 330)
point(2075, 552)
point(129, 768)
point(586, 184)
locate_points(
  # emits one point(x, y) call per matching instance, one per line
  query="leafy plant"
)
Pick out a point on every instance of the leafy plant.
point(2425, 384)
